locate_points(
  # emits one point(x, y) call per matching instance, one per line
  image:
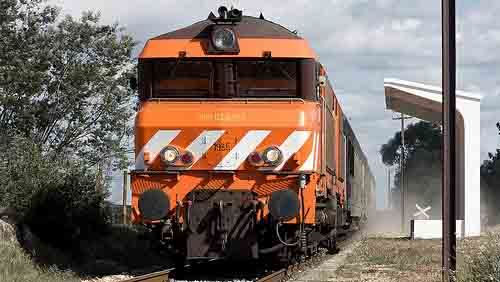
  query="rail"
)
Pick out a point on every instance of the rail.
point(276, 276)
point(160, 276)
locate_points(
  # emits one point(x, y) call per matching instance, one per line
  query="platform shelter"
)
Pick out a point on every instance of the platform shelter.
point(424, 102)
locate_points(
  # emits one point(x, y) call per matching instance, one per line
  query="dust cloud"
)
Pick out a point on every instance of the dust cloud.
point(423, 187)
point(422, 182)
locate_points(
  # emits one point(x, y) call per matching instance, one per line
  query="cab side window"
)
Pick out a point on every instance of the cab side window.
point(330, 129)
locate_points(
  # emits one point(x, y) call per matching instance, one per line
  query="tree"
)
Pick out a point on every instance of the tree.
point(421, 136)
point(63, 84)
point(65, 115)
point(423, 170)
point(490, 185)
point(490, 168)
point(422, 164)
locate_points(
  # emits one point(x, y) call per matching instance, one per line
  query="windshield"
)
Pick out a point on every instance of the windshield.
point(181, 79)
point(221, 79)
point(267, 78)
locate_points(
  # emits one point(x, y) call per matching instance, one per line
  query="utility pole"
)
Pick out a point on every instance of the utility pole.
point(402, 171)
point(389, 191)
point(449, 166)
point(124, 197)
point(402, 166)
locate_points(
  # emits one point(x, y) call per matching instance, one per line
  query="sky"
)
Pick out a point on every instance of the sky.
point(360, 42)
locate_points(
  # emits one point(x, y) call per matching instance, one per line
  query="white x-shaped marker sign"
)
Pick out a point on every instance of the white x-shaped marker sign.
point(422, 211)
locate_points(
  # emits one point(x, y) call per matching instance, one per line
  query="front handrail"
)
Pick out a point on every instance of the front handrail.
point(215, 100)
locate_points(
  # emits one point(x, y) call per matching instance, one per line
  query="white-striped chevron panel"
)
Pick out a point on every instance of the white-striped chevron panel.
point(292, 145)
point(161, 139)
point(242, 150)
point(238, 154)
point(308, 165)
point(203, 143)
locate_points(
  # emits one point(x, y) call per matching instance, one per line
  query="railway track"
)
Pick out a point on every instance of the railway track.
point(211, 272)
point(166, 276)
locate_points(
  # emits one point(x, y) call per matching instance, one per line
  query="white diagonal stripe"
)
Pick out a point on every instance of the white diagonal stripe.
point(241, 151)
point(309, 163)
point(161, 139)
point(316, 161)
point(292, 144)
point(316, 152)
point(203, 142)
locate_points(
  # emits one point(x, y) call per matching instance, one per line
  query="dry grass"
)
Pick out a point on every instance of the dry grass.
point(17, 266)
point(379, 259)
point(382, 259)
point(479, 259)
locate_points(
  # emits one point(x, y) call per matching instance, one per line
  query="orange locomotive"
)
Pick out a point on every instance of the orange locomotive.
point(242, 149)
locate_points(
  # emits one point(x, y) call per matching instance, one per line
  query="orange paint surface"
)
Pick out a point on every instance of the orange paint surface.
point(249, 48)
point(236, 118)
point(178, 187)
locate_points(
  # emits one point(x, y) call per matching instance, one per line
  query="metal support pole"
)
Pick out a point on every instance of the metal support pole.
point(389, 192)
point(124, 197)
point(402, 174)
point(449, 165)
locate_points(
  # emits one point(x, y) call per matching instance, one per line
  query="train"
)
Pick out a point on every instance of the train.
point(242, 149)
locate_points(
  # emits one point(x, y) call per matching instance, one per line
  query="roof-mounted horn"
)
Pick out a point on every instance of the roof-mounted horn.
point(235, 14)
point(228, 16)
point(222, 12)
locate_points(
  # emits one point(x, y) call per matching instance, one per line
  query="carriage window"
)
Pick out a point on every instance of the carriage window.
point(343, 154)
point(186, 79)
point(351, 158)
point(267, 79)
point(330, 142)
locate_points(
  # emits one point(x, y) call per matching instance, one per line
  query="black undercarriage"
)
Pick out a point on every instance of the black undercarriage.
point(230, 224)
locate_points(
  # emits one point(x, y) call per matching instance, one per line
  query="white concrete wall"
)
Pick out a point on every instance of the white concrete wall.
point(431, 229)
point(468, 105)
point(471, 112)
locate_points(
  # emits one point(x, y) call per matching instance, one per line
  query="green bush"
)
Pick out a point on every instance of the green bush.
point(56, 198)
point(68, 211)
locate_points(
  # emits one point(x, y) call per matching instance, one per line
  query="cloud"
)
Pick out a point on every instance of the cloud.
point(409, 24)
point(359, 42)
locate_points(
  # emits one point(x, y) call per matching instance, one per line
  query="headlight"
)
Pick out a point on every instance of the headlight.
point(169, 155)
point(224, 38)
point(272, 156)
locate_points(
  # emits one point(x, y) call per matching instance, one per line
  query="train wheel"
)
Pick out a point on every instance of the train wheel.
point(332, 246)
point(179, 252)
point(179, 264)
